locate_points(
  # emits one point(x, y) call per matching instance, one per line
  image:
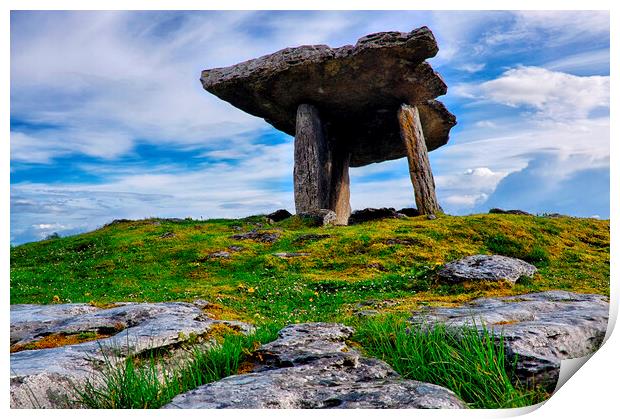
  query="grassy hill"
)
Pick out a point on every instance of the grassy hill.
point(386, 265)
point(313, 274)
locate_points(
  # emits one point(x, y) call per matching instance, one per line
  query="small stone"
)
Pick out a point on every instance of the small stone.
point(262, 236)
point(409, 212)
point(117, 222)
point(279, 215)
point(167, 235)
point(235, 248)
point(200, 303)
point(431, 217)
point(287, 255)
point(367, 313)
point(513, 211)
point(221, 254)
point(320, 217)
point(377, 266)
point(371, 214)
point(555, 215)
point(486, 268)
point(403, 241)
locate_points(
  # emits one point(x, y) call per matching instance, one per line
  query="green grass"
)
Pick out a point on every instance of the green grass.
point(389, 262)
point(388, 259)
point(149, 383)
point(469, 363)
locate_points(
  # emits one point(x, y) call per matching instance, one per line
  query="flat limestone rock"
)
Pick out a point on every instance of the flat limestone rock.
point(357, 90)
point(311, 366)
point(486, 268)
point(539, 329)
point(45, 377)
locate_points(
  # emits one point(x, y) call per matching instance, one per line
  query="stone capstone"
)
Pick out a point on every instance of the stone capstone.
point(357, 89)
point(486, 268)
point(538, 330)
point(46, 377)
point(311, 366)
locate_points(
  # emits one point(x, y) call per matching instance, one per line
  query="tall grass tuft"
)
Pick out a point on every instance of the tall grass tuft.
point(470, 362)
point(150, 384)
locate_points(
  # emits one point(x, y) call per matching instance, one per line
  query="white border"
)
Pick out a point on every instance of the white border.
point(592, 392)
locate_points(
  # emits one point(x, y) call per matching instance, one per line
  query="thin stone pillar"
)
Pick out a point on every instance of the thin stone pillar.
point(339, 191)
point(417, 155)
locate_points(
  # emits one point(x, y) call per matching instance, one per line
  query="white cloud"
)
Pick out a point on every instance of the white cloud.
point(589, 61)
point(485, 124)
point(465, 201)
point(480, 172)
point(463, 190)
point(554, 95)
point(260, 183)
point(106, 79)
point(472, 67)
point(537, 27)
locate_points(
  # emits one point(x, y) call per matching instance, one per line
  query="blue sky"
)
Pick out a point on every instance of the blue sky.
point(109, 120)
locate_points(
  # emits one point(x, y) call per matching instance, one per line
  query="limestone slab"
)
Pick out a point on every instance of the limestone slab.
point(356, 88)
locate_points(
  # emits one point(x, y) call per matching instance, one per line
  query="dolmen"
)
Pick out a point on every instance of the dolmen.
point(347, 107)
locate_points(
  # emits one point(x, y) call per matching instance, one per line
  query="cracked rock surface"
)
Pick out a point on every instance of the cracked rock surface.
point(311, 366)
point(486, 268)
point(43, 377)
point(539, 330)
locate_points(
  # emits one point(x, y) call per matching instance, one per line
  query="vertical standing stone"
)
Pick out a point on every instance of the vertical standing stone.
point(312, 171)
point(417, 156)
point(321, 173)
point(339, 192)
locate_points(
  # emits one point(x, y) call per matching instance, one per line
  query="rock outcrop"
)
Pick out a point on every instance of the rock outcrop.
point(538, 330)
point(311, 366)
point(486, 268)
point(46, 377)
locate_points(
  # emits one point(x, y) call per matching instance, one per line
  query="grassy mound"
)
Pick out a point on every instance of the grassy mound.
point(312, 274)
point(335, 268)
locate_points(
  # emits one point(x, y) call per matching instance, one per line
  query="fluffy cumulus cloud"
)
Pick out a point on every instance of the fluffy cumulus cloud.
point(109, 120)
point(554, 95)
